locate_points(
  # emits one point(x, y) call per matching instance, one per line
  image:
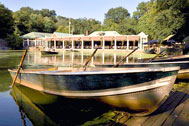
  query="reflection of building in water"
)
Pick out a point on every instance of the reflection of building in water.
point(69, 58)
point(101, 39)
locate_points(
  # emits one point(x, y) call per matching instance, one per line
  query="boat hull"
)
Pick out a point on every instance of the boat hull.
point(140, 93)
point(48, 52)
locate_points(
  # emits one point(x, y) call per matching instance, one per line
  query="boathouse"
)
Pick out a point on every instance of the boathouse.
point(101, 39)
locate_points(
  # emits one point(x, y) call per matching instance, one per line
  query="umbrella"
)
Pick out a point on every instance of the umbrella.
point(152, 42)
point(171, 41)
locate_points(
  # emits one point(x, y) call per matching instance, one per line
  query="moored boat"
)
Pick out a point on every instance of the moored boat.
point(48, 52)
point(138, 90)
point(182, 74)
point(173, 59)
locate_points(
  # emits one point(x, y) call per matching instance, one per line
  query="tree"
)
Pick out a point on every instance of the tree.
point(6, 22)
point(163, 18)
point(117, 14)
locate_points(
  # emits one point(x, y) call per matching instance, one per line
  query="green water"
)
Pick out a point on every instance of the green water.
point(23, 106)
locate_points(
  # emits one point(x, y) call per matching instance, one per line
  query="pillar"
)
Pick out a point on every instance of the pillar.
point(63, 45)
point(92, 43)
point(127, 42)
point(82, 43)
point(72, 44)
point(115, 44)
point(35, 42)
point(103, 43)
point(54, 44)
point(28, 42)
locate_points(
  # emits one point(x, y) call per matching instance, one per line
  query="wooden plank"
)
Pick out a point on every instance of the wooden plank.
point(183, 117)
point(164, 111)
point(175, 114)
point(136, 121)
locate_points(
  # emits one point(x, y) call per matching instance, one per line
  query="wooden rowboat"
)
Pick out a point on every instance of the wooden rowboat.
point(182, 74)
point(173, 59)
point(137, 90)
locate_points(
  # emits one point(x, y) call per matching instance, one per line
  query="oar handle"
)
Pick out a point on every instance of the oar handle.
point(125, 57)
point(20, 65)
point(90, 59)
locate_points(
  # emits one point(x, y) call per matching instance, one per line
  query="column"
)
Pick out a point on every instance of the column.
point(127, 42)
point(54, 44)
point(103, 44)
point(72, 44)
point(28, 42)
point(82, 43)
point(35, 42)
point(92, 43)
point(115, 44)
point(63, 45)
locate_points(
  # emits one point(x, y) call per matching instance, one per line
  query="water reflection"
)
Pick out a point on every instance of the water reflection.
point(78, 58)
point(49, 110)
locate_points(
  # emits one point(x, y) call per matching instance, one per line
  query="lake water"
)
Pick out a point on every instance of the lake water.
point(23, 106)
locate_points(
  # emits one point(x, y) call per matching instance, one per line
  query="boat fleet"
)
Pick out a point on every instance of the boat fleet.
point(138, 88)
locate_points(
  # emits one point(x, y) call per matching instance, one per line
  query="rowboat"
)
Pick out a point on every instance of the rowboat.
point(48, 52)
point(173, 59)
point(182, 74)
point(137, 90)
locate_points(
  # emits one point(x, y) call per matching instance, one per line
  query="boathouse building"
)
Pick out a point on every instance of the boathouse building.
point(101, 39)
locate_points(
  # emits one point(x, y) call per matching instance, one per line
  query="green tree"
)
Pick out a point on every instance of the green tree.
point(6, 22)
point(117, 14)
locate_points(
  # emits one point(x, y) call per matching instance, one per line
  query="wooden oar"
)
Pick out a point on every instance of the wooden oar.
point(85, 66)
point(156, 56)
point(20, 65)
point(125, 57)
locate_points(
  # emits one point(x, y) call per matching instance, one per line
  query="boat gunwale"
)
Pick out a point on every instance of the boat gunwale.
point(116, 71)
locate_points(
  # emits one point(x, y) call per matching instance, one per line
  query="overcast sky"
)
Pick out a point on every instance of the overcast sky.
point(75, 8)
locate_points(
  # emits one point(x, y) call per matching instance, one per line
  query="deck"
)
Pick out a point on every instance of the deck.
point(174, 112)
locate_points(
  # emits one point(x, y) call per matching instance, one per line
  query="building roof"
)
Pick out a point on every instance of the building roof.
point(186, 39)
point(60, 34)
point(104, 33)
point(33, 35)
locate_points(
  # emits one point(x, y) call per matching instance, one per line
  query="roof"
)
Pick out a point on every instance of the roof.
point(186, 39)
point(104, 33)
point(142, 34)
point(33, 35)
point(60, 34)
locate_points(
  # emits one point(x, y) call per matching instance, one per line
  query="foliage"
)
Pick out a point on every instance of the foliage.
point(14, 41)
point(29, 20)
point(77, 26)
point(161, 18)
point(117, 14)
point(6, 22)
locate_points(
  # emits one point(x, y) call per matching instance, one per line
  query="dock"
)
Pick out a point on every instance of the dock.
point(173, 112)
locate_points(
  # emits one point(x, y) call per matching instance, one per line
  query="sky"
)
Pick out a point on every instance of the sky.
point(95, 9)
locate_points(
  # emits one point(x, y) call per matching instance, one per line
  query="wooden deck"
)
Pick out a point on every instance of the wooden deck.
point(174, 112)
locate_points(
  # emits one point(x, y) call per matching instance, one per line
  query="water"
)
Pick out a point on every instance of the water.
point(24, 106)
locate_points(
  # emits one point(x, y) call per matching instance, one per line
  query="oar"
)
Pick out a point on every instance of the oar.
point(85, 66)
point(156, 56)
point(125, 57)
point(20, 65)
